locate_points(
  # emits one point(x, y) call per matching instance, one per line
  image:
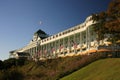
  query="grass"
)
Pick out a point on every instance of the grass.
point(104, 69)
point(55, 69)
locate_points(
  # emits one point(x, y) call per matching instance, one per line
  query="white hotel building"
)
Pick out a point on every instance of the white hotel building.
point(78, 40)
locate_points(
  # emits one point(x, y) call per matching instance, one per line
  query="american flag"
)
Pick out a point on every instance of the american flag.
point(45, 51)
point(75, 45)
point(61, 46)
point(39, 52)
point(53, 49)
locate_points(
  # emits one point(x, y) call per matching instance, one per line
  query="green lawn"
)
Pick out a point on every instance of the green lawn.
point(105, 69)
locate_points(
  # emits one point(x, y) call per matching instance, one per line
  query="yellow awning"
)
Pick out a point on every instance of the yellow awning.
point(118, 41)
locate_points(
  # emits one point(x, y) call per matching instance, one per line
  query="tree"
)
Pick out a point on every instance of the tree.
point(99, 26)
point(1, 65)
point(113, 20)
point(108, 22)
point(9, 63)
point(113, 16)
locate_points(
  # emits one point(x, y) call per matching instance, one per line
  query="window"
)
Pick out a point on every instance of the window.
point(63, 33)
point(60, 34)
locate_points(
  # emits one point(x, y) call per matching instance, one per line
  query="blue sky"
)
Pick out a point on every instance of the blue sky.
point(19, 19)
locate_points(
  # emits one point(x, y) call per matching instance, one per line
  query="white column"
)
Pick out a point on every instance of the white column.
point(86, 38)
point(68, 43)
point(80, 41)
point(63, 45)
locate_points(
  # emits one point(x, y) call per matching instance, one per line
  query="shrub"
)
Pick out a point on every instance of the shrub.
point(11, 74)
point(9, 63)
point(13, 62)
point(1, 65)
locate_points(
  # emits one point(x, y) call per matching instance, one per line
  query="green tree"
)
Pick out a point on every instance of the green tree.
point(1, 65)
point(99, 26)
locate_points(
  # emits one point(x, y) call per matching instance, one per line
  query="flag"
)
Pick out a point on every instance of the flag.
point(45, 51)
point(61, 46)
point(75, 45)
point(39, 52)
point(53, 49)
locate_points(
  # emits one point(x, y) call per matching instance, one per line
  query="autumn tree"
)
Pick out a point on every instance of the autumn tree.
point(108, 22)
